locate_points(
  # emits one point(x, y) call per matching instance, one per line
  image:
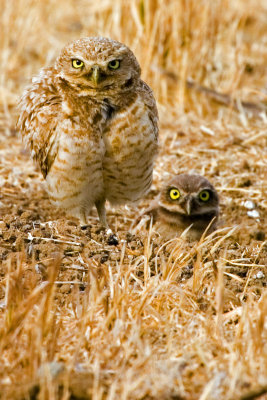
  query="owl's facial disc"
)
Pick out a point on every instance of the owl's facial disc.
point(95, 76)
point(179, 201)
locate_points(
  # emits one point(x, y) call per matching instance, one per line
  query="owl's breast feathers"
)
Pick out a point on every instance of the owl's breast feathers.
point(171, 222)
point(131, 142)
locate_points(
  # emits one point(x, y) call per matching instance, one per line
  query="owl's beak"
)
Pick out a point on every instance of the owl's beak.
point(95, 74)
point(188, 205)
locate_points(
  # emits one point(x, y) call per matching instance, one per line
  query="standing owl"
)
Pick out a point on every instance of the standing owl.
point(186, 201)
point(91, 124)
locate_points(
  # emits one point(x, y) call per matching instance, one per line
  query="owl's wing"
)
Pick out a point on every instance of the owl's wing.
point(40, 110)
point(150, 102)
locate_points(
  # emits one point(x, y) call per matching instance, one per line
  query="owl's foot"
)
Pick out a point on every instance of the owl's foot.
point(112, 239)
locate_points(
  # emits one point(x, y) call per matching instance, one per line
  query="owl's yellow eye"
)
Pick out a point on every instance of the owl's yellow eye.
point(114, 64)
point(174, 194)
point(204, 195)
point(77, 63)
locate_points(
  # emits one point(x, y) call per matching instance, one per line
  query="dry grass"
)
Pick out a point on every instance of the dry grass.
point(145, 320)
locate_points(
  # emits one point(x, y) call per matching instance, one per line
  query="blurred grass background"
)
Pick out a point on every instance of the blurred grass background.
point(217, 43)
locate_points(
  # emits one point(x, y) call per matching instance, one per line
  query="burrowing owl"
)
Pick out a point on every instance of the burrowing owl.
point(186, 200)
point(91, 124)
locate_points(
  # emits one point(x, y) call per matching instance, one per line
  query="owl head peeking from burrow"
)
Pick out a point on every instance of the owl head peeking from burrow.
point(189, 195)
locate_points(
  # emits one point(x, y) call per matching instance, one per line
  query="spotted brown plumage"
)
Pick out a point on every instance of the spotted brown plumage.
point(91, 125)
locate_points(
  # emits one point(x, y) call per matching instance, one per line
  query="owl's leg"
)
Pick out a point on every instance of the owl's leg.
point(83, 218)
point(101, 210)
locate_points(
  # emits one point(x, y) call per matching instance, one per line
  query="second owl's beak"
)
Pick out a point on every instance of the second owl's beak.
point(188, 205)
point(95, 74)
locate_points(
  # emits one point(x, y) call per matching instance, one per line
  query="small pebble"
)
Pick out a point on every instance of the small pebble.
point(253, 214)
point(259, 275)
point(104, 258)
point(112, 240)
point(249, 204)
point(260, 235)
point(84, 227)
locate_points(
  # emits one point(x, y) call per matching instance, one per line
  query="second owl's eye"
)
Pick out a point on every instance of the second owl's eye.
point(204, 195)
point(114, 64)
point(77, 63)
point(174, 194)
